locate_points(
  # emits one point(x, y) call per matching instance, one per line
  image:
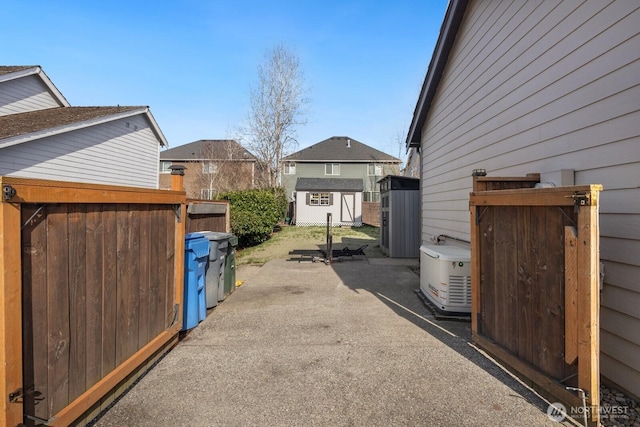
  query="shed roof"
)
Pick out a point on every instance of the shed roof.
point(329, 184)
point(341, 149)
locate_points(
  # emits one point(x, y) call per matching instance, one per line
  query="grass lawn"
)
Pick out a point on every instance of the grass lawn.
point(289, 238)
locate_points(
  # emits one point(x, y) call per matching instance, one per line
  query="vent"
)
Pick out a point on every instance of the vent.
point(460, 290)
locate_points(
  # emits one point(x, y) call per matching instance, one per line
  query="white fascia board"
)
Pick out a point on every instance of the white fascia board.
point(20, 139)
point(45, 79)
point(156, 129)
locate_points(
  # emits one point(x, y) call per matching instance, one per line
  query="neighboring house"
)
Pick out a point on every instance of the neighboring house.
point(42, 137)
point(338, 157)
point(548, 87)
point(212, 166)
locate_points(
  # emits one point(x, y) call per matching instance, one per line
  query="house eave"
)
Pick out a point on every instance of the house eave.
point(448, 31)
point(44, 133)
point(45, 79)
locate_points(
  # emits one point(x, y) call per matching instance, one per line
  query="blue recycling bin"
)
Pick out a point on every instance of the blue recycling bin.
point(196, 255)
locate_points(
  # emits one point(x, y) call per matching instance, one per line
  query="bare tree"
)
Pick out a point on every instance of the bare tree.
point(221, 169)
point(278, 106)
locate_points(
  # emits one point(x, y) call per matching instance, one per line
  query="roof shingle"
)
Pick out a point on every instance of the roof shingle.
point(341, 149)
point(34, 121)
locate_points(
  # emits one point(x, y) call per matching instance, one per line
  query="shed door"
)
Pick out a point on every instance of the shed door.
point(348, 207)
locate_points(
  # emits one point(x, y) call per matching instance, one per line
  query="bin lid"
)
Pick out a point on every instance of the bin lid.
point(233, 240)
point(196, 243)
point(447, 253)
point(215, 235)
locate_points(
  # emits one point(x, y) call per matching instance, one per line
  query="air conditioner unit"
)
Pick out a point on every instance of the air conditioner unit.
point(445, 277)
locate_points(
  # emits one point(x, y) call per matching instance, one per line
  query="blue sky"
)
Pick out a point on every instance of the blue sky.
point(194, 61)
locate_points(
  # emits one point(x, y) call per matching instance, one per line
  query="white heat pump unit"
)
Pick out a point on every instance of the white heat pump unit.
point(445, 277)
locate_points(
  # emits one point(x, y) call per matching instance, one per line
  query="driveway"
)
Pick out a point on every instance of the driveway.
point(346, 344)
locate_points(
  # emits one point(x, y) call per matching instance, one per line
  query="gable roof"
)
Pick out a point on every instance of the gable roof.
point(448, 32)
point(11, 72)
point(329, 184)
point(22, 127)
point(208, 149)
point(341, 149)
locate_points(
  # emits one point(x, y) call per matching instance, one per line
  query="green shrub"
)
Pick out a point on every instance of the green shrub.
point(254, 214)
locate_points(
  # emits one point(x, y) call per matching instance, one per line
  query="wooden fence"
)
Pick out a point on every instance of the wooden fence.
point(91, 287)
point(203, 215)
point(535, 302)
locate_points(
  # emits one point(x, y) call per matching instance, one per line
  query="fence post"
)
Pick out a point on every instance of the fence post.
point(10, 313)
point(177, 177)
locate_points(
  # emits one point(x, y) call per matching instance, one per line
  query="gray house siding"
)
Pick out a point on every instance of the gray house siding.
point(122, 152)
point(544, 87)
point(27, 93)
point(347, 170)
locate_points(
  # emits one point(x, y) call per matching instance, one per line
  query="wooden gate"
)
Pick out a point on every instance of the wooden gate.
point(96, 290)
point(535, 282)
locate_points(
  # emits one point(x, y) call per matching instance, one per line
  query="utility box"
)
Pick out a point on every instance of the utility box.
point(445, 277)
point(400, 216)
point(196, 248)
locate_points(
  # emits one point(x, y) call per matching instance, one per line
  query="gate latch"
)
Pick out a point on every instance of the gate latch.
point(583, 199)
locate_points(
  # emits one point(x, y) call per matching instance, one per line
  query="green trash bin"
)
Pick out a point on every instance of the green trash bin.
point(230, 265)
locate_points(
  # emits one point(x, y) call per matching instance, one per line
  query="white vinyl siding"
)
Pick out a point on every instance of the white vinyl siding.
point(540, 87)
point(109, 153)
point(25, 94)
point(313, 215)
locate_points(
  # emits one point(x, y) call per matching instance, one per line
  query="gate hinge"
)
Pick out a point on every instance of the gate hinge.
point(178, 211)
point(8, 192)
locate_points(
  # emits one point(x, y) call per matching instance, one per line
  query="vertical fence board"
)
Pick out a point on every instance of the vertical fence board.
point(109, 288)
point(158, 273)
point(58, 308)
point(10, 312)
point(589, 304)
point(35, 332)
point(144, 334)
point(487, 271)
point(526, 283)
point(171, 259)
point(76, 221)
point(95, 265)
point(571, 295)
point(538, 251)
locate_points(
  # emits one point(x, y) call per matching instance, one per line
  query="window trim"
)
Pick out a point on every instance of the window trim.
point(333, 166)
point(320, 198)
point(376, 167)
point(166, 169)
point(289, 168)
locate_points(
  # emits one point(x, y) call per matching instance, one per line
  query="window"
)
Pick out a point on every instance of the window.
point(289, 168)
point(371, 196)
point(332, 169)
point(375, 169)
point(209, 168)
point(164, 167)
point(319, 199)
point(207, 194)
